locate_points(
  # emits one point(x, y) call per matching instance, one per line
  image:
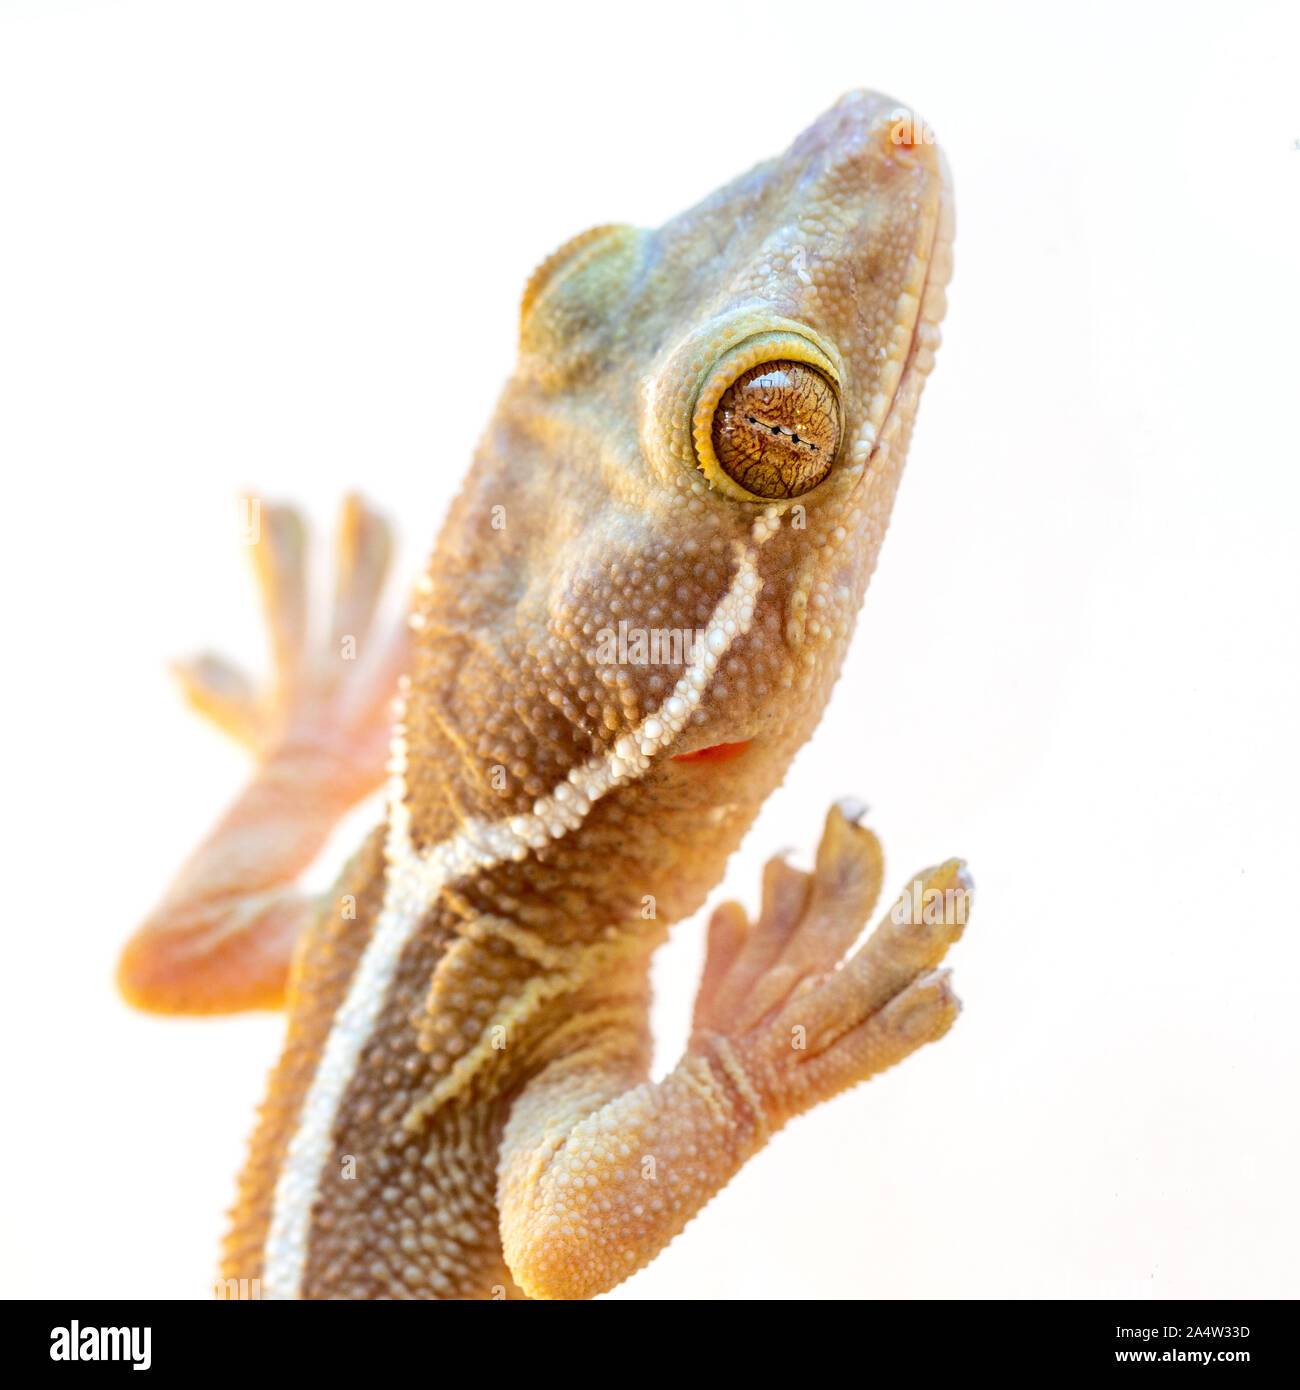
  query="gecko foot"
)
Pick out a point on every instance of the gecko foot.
point(328, 690)
point(775, 997)
point(224, 935)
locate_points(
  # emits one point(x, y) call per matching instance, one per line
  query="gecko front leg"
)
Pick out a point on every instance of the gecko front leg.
point(601, 1168)
point(223, 936)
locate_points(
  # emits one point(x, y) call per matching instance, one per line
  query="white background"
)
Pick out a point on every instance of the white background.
point(281, 246)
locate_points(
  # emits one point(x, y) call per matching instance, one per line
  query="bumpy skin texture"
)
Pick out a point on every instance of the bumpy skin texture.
point(462, 1107)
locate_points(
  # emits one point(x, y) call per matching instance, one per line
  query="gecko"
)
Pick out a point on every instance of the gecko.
point(632, 619)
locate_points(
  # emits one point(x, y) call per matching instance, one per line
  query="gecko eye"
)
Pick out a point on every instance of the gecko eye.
point(767, 420)
point(776, 429)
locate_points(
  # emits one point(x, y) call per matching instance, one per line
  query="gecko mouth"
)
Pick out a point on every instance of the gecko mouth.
point(940, 234)
point(715, 753)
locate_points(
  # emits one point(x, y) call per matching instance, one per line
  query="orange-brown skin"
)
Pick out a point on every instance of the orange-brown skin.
point(495, 1133)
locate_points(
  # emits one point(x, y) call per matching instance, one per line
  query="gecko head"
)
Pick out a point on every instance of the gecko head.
point(673, 515)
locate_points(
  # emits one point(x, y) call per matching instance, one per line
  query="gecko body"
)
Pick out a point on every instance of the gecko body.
point(632, 619)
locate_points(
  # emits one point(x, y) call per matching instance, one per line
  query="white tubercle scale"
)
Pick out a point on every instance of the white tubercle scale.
point(412, 886)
